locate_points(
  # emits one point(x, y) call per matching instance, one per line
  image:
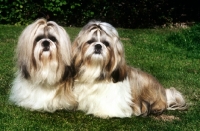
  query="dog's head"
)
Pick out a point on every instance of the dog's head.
point(44, 52)
point(98, 53)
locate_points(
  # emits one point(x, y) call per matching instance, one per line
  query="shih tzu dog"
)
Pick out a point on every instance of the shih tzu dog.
point(106, 87)
point(44, 78)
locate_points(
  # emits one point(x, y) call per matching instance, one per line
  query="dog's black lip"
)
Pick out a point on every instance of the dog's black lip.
point(97, 51)
point(46, 49)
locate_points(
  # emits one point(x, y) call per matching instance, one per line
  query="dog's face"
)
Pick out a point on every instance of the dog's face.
point(98, 53)
point(43, 52)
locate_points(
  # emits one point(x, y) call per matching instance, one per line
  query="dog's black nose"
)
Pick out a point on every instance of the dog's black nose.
point(46, 45)
point(98, 48)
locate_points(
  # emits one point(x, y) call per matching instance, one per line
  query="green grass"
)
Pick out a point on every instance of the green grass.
point(171, 55)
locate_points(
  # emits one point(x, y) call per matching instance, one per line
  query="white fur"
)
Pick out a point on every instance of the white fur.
point(43, 58)
point(105, 86)
point(36, 97)
point(175, 100)
point(104, 99)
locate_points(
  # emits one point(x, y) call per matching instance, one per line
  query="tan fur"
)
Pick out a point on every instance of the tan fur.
point(148, 94)
point(108, 67)
point(44, 78)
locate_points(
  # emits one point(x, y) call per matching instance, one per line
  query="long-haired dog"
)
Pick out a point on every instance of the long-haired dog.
point(106, 87)
point(44, 78)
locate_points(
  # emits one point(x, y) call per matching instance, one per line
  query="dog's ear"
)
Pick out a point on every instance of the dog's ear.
point(119, 74)
point(25, 47)
point(76, 54)
point(120, 69)
point(24, 71)
point(68, 73)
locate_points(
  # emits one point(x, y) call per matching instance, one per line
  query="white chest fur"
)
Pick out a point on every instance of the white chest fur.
point(36, 97)
point(104, 99)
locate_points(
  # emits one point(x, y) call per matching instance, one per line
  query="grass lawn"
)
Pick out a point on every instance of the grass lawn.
point(171, 55)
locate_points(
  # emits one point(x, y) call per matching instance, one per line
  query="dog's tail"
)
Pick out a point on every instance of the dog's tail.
point(175, 100)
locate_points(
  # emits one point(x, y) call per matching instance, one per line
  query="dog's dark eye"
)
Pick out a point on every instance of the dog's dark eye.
point(91, 41)
point(38, 38)
point(106, 43)
point(52, 38)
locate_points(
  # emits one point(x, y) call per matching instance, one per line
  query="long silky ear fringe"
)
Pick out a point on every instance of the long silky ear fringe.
point(24, 71)
point(76, 57)
point(119, 74)
point(69, 73)
point(175, 100)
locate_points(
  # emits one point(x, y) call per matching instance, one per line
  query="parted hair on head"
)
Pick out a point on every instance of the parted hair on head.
point(100, 39)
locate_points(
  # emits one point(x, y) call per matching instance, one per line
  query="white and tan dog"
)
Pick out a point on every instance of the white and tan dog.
point(44, 78)
point(106, 87)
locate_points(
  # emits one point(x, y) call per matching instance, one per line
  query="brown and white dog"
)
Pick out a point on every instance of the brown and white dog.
point(44, 78)
point(106, 86)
